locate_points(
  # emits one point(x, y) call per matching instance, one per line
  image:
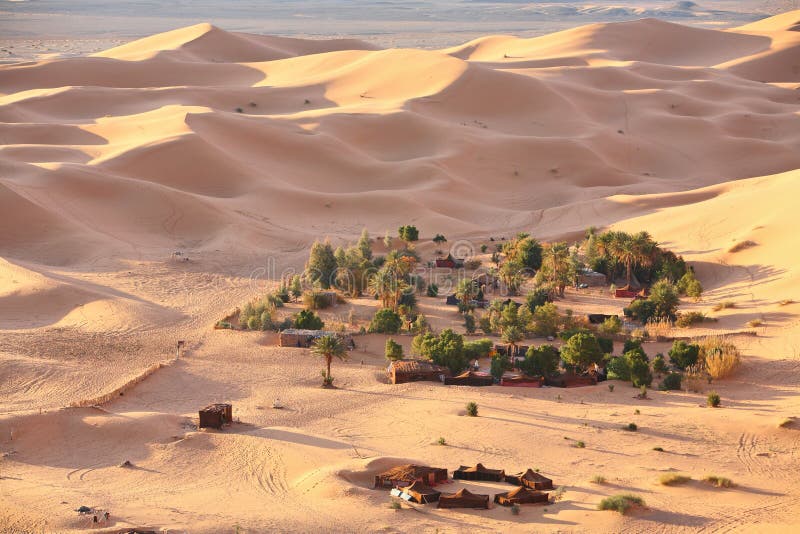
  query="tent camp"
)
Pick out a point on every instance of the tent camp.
point(469, 378)
point(463, 498)
point(530, 479)
point(406, 475)
point(402, 371)
point(479, 473)
point(421, 493)
point(521, 495)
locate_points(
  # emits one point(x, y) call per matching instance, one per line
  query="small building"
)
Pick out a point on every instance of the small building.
point(216, 415)
point(299, 337)
point(421, 493)
point(479, 472)
point(521, 495)
point(530, 479)
point(402, 371)
point(463, 498)
point(469, 378)
point(449, 262)
point(406, 475)
point(592, 278)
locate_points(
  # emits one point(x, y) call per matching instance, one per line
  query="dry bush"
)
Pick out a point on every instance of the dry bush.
point(741, 245)
point(718, 481)
point(695, 378)
point(754, 323)
point(658, 328)
point(785, 302)
point(724, 305)
point(720, 357)
point(673, 479)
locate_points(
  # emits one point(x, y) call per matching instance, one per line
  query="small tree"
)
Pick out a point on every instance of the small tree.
point(472, 409)
point(329, 347)
point(499, 365)
point(439, 239)
point(639, 368)
point(408, 233)
point(469, 323)
point(541, 361)
point(612, 325)
point(387, 240)
point(546, 320)
point(386, 321)
point(683, 355)
point(321, 265)
point(394, 350)
point(296, 287)
point(659, 365)
point(433, 290)
point(581, 351)
point(365, 245)
point(308, 320)
point(665, 299)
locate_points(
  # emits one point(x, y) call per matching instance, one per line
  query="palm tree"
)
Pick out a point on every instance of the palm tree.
point(630, 250)
point(556, 260)
point(328, 347)
point(383, 284)
point(466, 291)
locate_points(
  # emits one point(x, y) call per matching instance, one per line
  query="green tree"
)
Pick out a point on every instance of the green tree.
point(612, 325)
point(665, 300)
point(321, 265)
point(690, 286)
point(466, 292)
point(469, 323)
point(308, 320)
point(365, 245)
point(329, 347)
point(447, 350)
point(296, 287)
point(639, 367)
point(683, 355)
point(386, 321)
point(439, 239)
point(546, 320)
point(394, 350)
point(408, 233)
point(541, 361)
point(581, 351)
point(557, 268)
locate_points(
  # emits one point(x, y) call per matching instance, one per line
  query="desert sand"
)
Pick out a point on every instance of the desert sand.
point(239, 150)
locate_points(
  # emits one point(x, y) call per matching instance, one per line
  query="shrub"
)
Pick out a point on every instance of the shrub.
point(720, 357)
point(484, 248)
point(581, 351)
point(442, 441)
point(394, 350)
point(753, 323)
point(611, 388)
point(621, 503)
point(785, 302)
point(631, 343)
point(395, 504)
point(477, 349)
point(671, 382)
point(420, 325)
point(433, 290)
point(617, 369)
point(724, 305)
point(598, 479)
point(659, 365)
point(537, 297)
point(540, 361)
point(631, 427)
point(741, 245)
point(385, 321)
point(469, 323)
point(685, 320)
point(545, 320)
point(499, 365)
point(606, 344)
point(580, 445)
point(658, 449)
point(610, 326)
point(307, 319)
point(673, 479)
point(223, 325)
point(713, 400)
point(515, 509)
point(682, 354)
point(472, 409)
point(316, 300)
point(639, 367)
point(718, 481)
point(446, 349)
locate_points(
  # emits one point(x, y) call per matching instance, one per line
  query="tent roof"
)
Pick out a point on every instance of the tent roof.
point(479, 468)
point(414, 366)
point(420, 487)
point(407, 472)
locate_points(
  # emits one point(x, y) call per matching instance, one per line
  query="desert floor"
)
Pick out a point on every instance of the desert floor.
point(240, 150)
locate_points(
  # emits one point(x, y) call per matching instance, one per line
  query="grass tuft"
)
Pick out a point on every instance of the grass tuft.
point(673, 479)
point(631, 427)
point(598, 479)
point(718, 481)
point(741, 245)
point(621, 503)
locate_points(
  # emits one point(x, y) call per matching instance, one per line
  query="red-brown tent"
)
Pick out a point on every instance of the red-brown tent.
point(463, 498)
point(530, 479)
point(479, 472)
point(521, 495)
point(421, 493)
point(469, 378)
point(405, 475)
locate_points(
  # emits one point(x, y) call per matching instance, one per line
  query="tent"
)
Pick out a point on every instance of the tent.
point(522, 381)
point(599, 318)
point(452, 300)
point(216, 415)
point(421, 492)
point(479, 473)
point(521, 495)
point(469, 378)
point(463, 498)
point(530, 479)
point(402, 371)
point(405, 475)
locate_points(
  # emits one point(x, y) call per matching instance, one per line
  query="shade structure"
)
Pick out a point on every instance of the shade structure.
point(530, 479)
point(469, 378)
point(463, 498)
point(421, 493)
point(405, 475)
point(521, 495)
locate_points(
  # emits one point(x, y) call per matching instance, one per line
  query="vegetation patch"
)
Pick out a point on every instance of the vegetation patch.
point(472, 409)
point(673, 479)
point(713, 400)
point(741, 245)
point(718, 481)
point(631, 427)
point(621, 503)
point(598, 479)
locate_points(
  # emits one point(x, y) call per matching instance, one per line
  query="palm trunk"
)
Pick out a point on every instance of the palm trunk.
point(628, 267)
point(328, 360)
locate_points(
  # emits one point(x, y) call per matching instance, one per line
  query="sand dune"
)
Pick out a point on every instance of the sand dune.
point(239, 150)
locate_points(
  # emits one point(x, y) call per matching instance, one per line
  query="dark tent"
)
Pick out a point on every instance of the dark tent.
point(530, 479)
point(479, 473)
point(421, 493)
point(452, 300)
point(405, 475)
point(463, 498)
point(216, 415)
point(469, 378)
point(521, 495)
point(599, 318)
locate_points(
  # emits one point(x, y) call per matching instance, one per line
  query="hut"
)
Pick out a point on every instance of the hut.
point(591, 278)
point(479, 472)
point(463, 498)
point(570, 380)
point(216, 415)
point(522, 381)
point(406, 475)
point(449, 262)
point(298, 337)
point(421, 493)
point(530, 479)
point(629, 292)
point(402, 371)
point(521, 495)
point(469, 378)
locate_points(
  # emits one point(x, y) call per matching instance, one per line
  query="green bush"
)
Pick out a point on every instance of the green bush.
point(631, 427)
point(631, 344)
point(469, 323)
point(385, 321)
point(683, 355)
point(581, 351)
point(713, 400)
point(477, 349)
point(546, 320)
point(225, 325)
point(621, 503)
point(639, 367)
point(307, 319)
point(687, 319)
point(446, 349)
point(610, 326)
point(718, 481)
point(673, 479)
point(472, 409)
point(617, 369)
point(659, 365)
point(316, 300)
point(671, 382)
point(606, 344)
point(540, 361)
point(499, 365)
point(394, 350)
point(537, 297)
point(433, 290)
